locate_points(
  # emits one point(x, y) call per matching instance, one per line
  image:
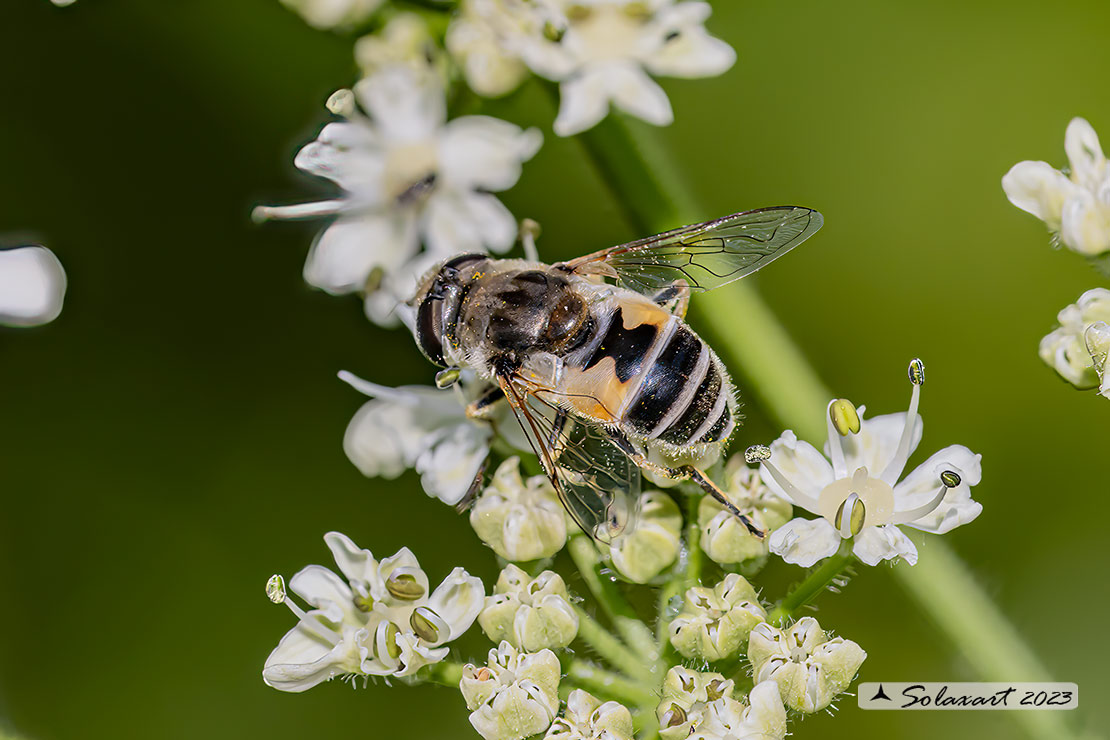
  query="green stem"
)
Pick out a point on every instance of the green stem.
point(620, 613)
point(688, 577)
point(650, 190)
point(608, 646)
point(816, 582)
point(446, 673)
point(608, 685)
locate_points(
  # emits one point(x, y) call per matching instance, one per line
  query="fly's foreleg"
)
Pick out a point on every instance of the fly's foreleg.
point(485, 406)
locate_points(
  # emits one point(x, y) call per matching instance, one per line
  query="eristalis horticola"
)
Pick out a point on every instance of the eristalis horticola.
point(595, 357)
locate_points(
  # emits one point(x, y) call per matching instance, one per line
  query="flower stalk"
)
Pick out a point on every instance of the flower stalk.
point(649, 189)
point(816, 582)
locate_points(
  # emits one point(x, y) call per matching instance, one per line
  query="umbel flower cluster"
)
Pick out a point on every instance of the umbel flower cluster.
point(569, 656)
point(1075, 206)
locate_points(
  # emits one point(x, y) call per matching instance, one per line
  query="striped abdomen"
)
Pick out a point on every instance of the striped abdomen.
point(652, 375)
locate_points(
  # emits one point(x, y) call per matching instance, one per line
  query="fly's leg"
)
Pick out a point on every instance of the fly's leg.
point(685, 472)
point(475, 487)
point(484, 407)
point(675, 298)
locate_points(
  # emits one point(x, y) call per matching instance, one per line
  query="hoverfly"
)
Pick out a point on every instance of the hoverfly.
point(595, 357)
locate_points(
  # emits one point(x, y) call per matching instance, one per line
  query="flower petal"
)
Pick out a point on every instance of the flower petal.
point(348, 154)
point(1038, 188)
point(405, 106)
point(1085, 224)
point(448, 468)
point(875, 544)
point(348, 250)
point(800, 463)
point(325, 591)
point(805, 541)
point(465, 221)
point(32, 286)
point(484, 153)
point(922, 484)
point(458, 600)
point(583, 102)
point(634, 92)
point(877, 442)
point(354, 562)
point(682, 47)
point(302, 660)
point(1088, 164)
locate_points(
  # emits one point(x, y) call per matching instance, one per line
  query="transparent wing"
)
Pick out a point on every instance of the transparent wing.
point(597, 482)
point(704, 256)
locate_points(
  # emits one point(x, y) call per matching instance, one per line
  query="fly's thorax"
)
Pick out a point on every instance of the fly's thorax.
point(520, 309)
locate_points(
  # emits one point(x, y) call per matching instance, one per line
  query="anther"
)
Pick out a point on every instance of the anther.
point(341, 102)
point(757, 453)
point(950, 479)
point(404, 586)
point(673, 717)
point(850, 516)
point(844, 417)
point(423, 625)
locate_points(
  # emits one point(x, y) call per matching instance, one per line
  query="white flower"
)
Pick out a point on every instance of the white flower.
point(529, 613)
point(381, 622)
point(481, 39)
point(427, 429)
point(701, 706)
point(650, 544)
point(1065, 349)
point(859, 494)
point(515, 695)
point(809, 668)
point(587, 718)
point(409, 176)
point(602, 51)
point(520, 519)
point(328, 14)
point(32, 286)
point(1075, 205)
point(404, 41)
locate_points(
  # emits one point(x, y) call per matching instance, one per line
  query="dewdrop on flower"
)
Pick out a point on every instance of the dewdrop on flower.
point(529, 613)
point(715, 623)
point(587, 718)
point(1066, 349)
point(857, 487)
point(809, 668)
point(515, 695)
point(520, 519)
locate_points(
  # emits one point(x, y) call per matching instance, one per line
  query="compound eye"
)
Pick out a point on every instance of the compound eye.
point(565, 319)
point(428, 331)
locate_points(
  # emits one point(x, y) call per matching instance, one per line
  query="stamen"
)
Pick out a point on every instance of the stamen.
point(762, 455)
point(948, 480)
point(850, 516)
point(275, 590)
point(404, 586)
point(377, 391)
point(424, 623)
point(341, 102)
point(529, 232)
point(838, 422)
point(898, 463)
point(262, 214)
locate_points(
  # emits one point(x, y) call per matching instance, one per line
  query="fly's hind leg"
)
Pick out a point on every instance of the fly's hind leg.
point(675, 298)
point(686, 472)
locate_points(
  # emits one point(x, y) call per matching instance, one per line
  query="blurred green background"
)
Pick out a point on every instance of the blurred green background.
point(174, 438)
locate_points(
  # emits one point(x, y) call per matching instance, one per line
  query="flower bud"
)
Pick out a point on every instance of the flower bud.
point(588, 717)
point(530, 614)
point(809, 668)
point(517, 696)
point(521, 520)
point(651, 543)
point(715, 623)
point(724, 538)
